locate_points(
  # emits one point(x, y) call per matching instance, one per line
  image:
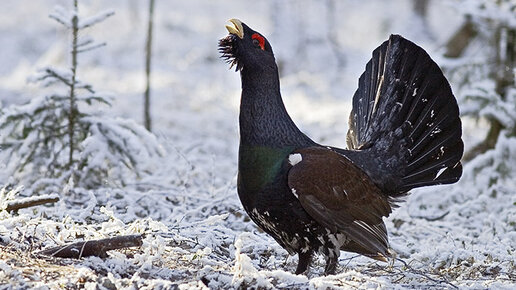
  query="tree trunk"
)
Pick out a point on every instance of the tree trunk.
point(461, 39)
point(148, 57)
point(72, 110)
point(503, 73)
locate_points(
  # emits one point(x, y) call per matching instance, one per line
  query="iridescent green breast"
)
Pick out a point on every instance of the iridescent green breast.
point(259, 166)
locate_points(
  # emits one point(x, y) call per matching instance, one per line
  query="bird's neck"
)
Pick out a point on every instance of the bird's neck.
point(264, 121)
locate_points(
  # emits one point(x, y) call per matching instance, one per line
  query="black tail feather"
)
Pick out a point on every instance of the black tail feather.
point(405, 126)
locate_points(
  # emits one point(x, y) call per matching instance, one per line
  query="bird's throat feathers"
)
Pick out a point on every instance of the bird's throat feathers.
point(264, 121)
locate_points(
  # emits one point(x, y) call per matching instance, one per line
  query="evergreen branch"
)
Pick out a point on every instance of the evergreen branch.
point(55, 75)
point(59, 19)
point(16, 118)
point(58, 99)
point(89, 100)
point(85, 42)
point(92, 47)
point(88, 22)
point(27, 159)
point(50, 72)
point(53, 136)
point(80, 85)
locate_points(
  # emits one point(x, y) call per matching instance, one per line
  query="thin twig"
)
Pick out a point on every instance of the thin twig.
point(432, 219)
point(426, 276)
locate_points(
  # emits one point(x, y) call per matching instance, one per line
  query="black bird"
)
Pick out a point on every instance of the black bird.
point(404, 132)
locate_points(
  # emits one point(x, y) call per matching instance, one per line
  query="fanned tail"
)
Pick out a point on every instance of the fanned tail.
point(404, 129)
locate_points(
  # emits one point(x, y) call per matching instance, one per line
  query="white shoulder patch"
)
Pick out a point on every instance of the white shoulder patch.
point(294, 159)
point(295, 193)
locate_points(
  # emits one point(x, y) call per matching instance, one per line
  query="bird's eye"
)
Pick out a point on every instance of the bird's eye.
point(258, 41)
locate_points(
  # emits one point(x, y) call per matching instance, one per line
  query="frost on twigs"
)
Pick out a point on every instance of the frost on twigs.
point(61, 136)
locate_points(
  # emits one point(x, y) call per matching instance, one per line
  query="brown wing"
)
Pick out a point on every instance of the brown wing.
point(340, 196)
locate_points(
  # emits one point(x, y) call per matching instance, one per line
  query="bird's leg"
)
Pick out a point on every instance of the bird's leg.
point(331, 264)
point(304, 261)
point(392, 257)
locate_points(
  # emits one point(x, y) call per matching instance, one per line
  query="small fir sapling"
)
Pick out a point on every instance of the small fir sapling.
point(59, 136)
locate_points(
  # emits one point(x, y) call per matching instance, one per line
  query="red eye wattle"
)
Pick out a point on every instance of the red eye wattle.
point(260, 39)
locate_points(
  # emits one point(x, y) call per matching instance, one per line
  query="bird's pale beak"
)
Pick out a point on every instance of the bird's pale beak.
point(235, 28)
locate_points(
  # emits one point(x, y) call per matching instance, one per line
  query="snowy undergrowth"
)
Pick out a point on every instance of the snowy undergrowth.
point(471, 226)
point(196, 233)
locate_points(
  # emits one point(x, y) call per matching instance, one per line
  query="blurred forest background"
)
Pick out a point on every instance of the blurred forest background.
point(121, 118)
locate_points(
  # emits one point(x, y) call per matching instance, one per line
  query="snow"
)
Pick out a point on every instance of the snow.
point(196, 233)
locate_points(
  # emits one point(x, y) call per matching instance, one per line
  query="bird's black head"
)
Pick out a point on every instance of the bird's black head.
point(246, 48)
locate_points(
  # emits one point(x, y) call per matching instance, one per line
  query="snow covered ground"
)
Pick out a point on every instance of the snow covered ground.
point(196, 233)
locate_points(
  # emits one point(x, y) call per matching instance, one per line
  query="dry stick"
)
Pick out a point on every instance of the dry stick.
point(94, 247)
point(31, 201)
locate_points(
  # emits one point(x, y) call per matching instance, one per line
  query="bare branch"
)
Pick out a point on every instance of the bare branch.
point(91, 47)
point(31, 201)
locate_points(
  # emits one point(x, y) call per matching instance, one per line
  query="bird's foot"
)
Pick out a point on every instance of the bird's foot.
point(392, 258)
point(304, 261)
point(331, 265)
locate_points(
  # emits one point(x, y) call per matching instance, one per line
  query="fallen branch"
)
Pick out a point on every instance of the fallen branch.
point(30, 202)
point(94, 247)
